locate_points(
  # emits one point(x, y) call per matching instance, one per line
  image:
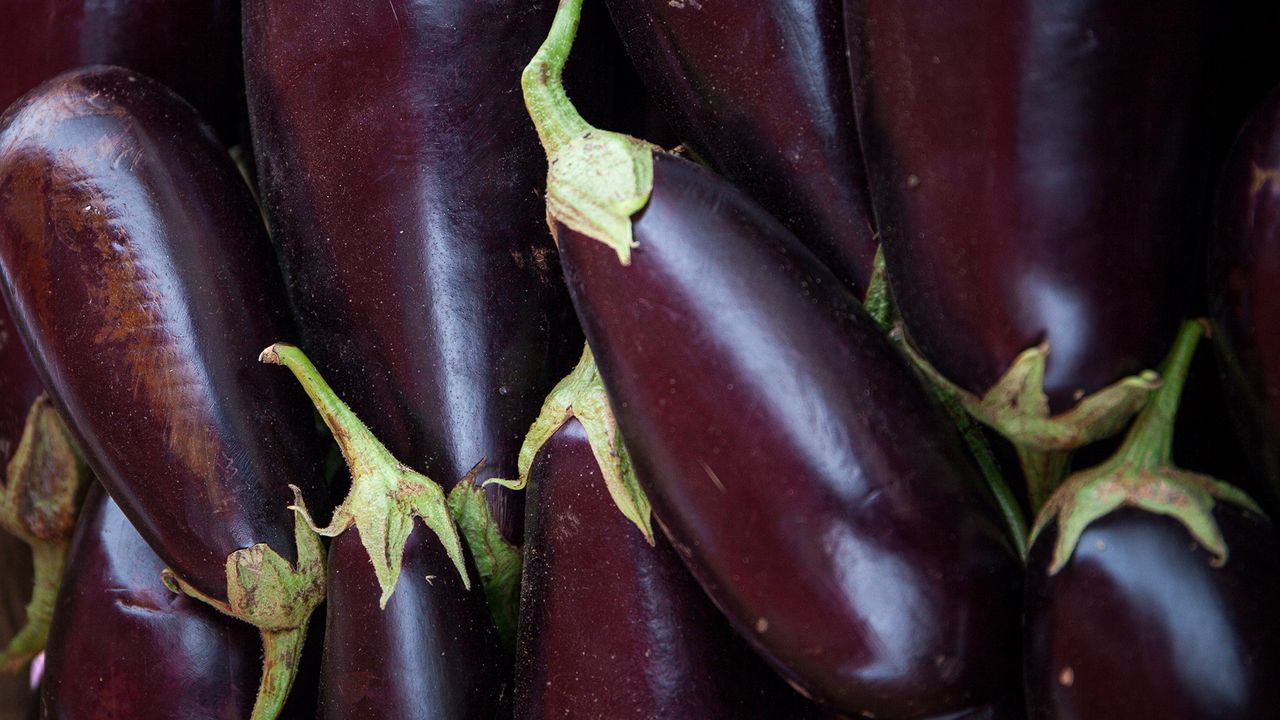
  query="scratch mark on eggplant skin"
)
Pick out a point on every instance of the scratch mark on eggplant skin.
point(1261, 176)
point(715, 479)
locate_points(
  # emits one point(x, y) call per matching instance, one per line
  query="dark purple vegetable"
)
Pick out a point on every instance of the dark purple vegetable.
point(193, 48)
point(1152, 590)
point(760, 90)
point(1033, 190)
point(409, 222)
point(1245, 290)
point(124, 646)
point(137, 268)
point(431, 653)
point(612, 627)
point(801, 471)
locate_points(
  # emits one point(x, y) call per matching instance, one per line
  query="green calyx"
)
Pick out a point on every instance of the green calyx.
point(498, 563)
point(266, 591)
point(1017, 407)
point(386, 495)
point(45, 483)
point(581, 394)
point(596, 179)
point(1141, 474)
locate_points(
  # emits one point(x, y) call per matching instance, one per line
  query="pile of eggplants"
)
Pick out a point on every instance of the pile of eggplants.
point(740, 419)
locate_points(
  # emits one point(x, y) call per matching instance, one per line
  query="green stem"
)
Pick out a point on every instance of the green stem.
point(48, 559)
point(1044, 471)
point(1150, 440)
point(981, 451)
point(281, 653)
point(879, 301)
point(555, 117)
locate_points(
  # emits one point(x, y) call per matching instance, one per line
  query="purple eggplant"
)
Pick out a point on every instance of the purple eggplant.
point(1245, 290)
point(409, 223)
point(1033, 166)
point(113, 652)
point(760, 90)
point(193, 48)
point(44, 480)
point(612, 625)
point(1152, 590)
point(137, 268)
point(798, 467)
point(431, 653)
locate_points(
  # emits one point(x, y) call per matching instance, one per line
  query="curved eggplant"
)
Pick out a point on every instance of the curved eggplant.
point(611, 627)
point(137, 268)
point(1152, 590)
point(1032, 191)
point(760, 90)
point(409, 224)
point(803, 474)
point(1245, 290)
point(430, 654)
point(1143, 624)
point(193, 48)
point(113, 650)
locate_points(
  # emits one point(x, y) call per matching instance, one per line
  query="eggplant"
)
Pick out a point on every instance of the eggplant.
point(193, 48)
point(431, 653)
point(44, 481)
point(1151, 590)
point(1022, 185)
point(761, 92)
point(1244, 297)
point(611, 624)
point(137, 268)
point(409, 224)
point(803, 474)
point(113, 651)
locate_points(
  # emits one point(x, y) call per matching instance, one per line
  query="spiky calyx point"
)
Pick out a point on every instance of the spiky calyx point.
point(581, 394)
point(1141, 474)
point(386, 495)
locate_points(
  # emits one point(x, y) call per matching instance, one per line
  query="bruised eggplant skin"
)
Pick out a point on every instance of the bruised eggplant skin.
point(804, 475)
point(1245, 290)
point(430, 655)
point(194, 48)
point(410, 222)
point(1140, 625)
point(1034, 186)
point(760, 90)
point(613, 628)
point(138, 270)
point(123, 646)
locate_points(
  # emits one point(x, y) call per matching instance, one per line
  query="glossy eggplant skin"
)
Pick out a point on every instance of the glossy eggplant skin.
point(760, 90)
point(410, 223)
point(1244, 283)
point(430, 655)
point(194, 48)
point(1140, 624)
point(613, 628)
point(804, 475)
point(138, 270)
point(123, 646)
point(1034, 186)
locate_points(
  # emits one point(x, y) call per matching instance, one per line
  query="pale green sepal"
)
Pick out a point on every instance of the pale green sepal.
point(879, 301)
point(596, 182)
point(1185, 496)
point(581, 394)
point(385, 494)
point(267, 591)
point(45, 482)
point(1017, 407)
point(498, 562)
